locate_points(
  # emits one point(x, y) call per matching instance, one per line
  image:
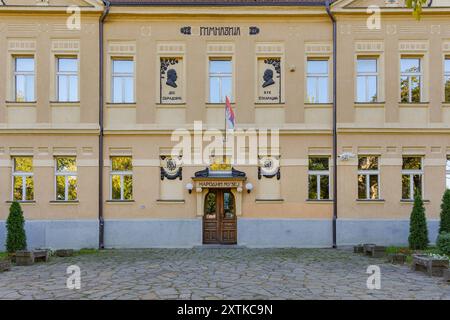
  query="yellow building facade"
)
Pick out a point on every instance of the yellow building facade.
point(112, 115)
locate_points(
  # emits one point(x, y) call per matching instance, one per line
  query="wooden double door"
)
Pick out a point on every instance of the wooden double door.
point(219, 218)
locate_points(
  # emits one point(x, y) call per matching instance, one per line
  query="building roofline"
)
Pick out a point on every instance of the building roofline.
point(216, 4)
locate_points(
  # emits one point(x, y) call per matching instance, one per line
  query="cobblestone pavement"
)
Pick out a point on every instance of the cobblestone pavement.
point(219, 273)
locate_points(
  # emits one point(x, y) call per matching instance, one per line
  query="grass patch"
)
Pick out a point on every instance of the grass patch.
point(3, 255)
point(86, 251)
point(408, 252)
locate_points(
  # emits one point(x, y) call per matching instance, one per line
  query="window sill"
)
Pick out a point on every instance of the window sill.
point(21, 103)
point(413, 104)
point(23, 201)
point(370, 200)
point(269, 200)
point(369, 104)
point(62, 202)
point(119, 201)
point(175, 201)
point(64, 103)
point(319, 200)
point(121, 105)
point(318, 105)
point(407, 201)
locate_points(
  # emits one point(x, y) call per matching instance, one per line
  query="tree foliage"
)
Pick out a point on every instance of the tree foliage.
point(16, 238)
point(444, 225)
point(418, 231)
point(417, 6)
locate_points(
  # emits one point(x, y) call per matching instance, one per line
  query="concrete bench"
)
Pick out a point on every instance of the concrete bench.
point(41, 255)
point(24, 258)
point(397, 258)
point(64, 252)
point(358, 248)
point(429, 265)
point(446, 275)
point(374, 251)
point(5, 265)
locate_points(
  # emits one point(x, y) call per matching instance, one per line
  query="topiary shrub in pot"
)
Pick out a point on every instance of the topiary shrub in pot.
point(16, 238)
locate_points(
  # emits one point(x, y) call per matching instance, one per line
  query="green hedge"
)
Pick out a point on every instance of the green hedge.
point(443, 243)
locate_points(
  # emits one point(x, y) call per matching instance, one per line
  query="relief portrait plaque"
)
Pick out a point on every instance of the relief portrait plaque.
point(171, 80)
point(269, 80)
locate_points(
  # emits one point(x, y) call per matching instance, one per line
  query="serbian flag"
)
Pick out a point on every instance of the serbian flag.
point(229, 115)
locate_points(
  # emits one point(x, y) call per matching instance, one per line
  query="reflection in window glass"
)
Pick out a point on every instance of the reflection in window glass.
point(122, 87)
point(412, 177)
point(368, 178)
point(66, 179)
point(410, 80)
point(447, 79)
point(210, 205)
point(318, 178)
point(24, 75)
point(220, 80)
point(121, 178)
point(367, 78)
point(67, 79)
point(317, 81)
point(23, 184)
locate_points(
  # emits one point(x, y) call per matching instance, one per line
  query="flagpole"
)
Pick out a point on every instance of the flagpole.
point(225, 122)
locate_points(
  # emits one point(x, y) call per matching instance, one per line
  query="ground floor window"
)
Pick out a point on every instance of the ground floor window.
point(318, 178)
point(368, 178)
point(447, 173)
point(121, 178)
point(412, 177)
point(66, 179)
point(22, 179)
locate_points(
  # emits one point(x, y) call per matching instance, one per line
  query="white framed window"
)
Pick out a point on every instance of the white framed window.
point(67, 79)
point(368, 178)
point(317, 81)
point(121, 178)
point(447, 173)
point(410, 80)
point(24, 79)
point(319, 178)
point(122, 86)
point(447, 79)
point(22, 179)
point(65, 179)
point(412, 177)
point(367, 79)
point(220, 79)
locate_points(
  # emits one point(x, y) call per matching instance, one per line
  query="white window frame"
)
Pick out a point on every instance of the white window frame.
point(317, 76)
point(24, 176)
point(446, 75)
point(220, 76)
point(411, 174)
point(67, 74)
point(122, 76)
point(412, 74)
point(447, 171)
point(26, 74)
point(121, 174)
point(320, 173)
point(366, 75)
point(66, 175)
point(369, 173)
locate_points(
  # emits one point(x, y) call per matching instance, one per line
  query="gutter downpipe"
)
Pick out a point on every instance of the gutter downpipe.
point(335, 208)
point(101, 233)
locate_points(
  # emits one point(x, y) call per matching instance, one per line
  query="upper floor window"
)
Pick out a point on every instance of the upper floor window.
point(447, 173)
point(368, 178)
point(367, 80)
point(24, 74)
point(410, 80)
point(66, 178)
point(220, 80)
point(317, 81)
point(447, 79)
point(22, 176)
point(122, 81)
point(67, 79)
point(412, 173)
point(318, 178)
point(121, 178)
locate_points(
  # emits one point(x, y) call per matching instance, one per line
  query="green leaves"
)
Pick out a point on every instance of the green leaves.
point(444, 225)
point(16, 238)
point(417, 6)
point(418, 231)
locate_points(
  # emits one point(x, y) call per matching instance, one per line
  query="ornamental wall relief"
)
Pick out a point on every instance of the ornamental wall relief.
point(171, 80)
point(269, 80)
